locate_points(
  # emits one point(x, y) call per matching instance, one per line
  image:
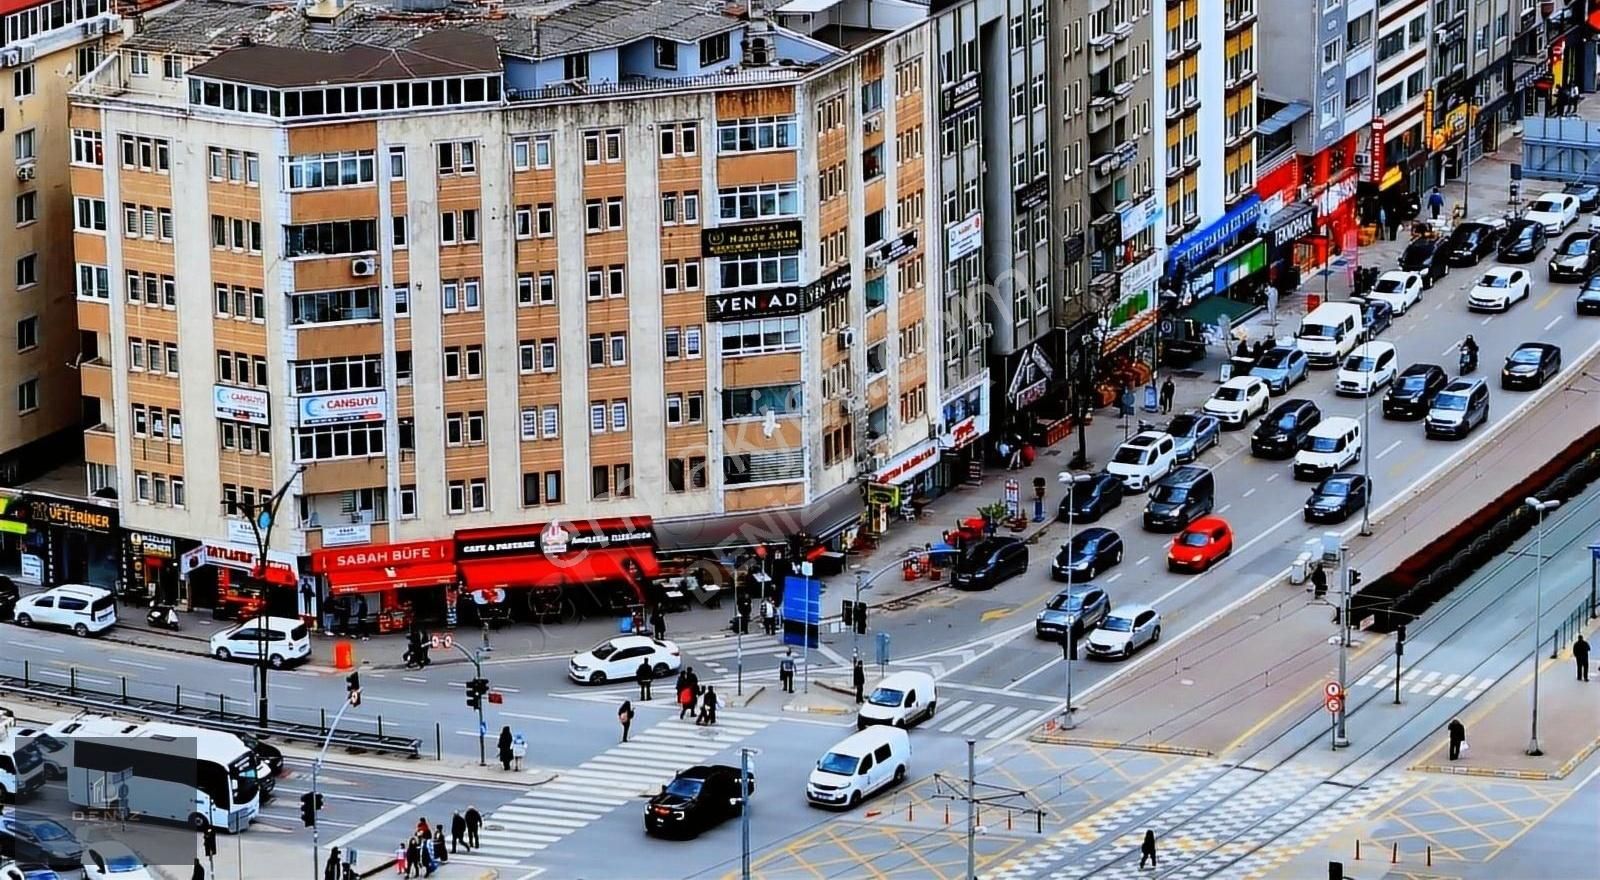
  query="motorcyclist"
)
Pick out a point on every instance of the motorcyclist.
point(417, 649)
point(1469, 353)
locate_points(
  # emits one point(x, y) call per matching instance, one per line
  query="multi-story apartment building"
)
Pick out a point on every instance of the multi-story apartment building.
point(1417, 45)
point(44, 48)
point(442, 276)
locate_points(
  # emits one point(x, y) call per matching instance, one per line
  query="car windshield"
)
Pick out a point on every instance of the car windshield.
point(1577, 247)
point(1525, 356)
point(1182, 426)
point(1338, 487)
point(44, 829)
point(685, 787)
point(1226, 393)
point(124, 863)
point(600, 651)
point(28, 758)
point(887, 697)
point(833, 762)
point(46, 742)
point(1450, 401)
point(1324, 444)
point(1194, 539)
point(1467, 234)
point(1389, 285)
point(1419, 250)
point(1129, 455)
point(1118, 624)
point(1323, 331)
point(1169, 494)
point(1066, 602)
point(1546, 206)
point(1358, 362)
point(1494, 281)
point(1275, 358)
point(1413, 382)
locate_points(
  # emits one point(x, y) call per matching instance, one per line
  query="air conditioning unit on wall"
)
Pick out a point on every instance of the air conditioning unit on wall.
point(363, 267)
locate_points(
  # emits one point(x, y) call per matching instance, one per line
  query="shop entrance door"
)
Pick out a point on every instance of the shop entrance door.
point(72, 558)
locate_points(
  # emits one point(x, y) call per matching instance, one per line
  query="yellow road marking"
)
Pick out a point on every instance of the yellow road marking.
point(994, 614)
point(1546, 299)
point(1299, 700)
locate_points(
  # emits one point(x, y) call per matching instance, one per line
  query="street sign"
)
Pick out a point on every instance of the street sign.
point(1332, 690)
point(1334, 704)
point(444, 642)
point(1013, 497)
point(496, 697)
point(483, 728)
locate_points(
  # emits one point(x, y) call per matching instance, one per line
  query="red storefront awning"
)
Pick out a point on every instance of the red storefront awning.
point(538, 570)
point(366, 580)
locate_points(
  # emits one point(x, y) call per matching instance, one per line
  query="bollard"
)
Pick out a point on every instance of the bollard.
point(177, 695)
point(947, 814)
point(1358, 849)
point(1430, 855)
point(124, 689)
point(25, 676)
point(911, 814)
point(1008, 820)
point(1038, 822)
point(222, 705)
point(438, 742)
point(1394, 854)
point(1555, 644)
point(72, 681)
point(322, 721)
point(380, 727)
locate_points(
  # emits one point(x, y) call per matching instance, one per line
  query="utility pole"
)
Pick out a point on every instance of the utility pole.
point(1069, 648)
point(1533, 749)
point(477, 692)
point(313, 799)
point(1366, 457)
point(744, 813)
point(263, 517)
point(972, 809)
point(1340, 740)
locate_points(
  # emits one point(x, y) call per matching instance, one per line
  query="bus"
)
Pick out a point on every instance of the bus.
point(22, 769)
point(170, 772)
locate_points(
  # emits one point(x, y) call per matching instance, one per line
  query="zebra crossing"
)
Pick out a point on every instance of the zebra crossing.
point(760, 653)
point(985, 720)
point(1432, 684)
point(621, 774)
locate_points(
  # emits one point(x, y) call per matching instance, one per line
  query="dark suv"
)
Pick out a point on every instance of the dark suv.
point(989, 562)
point(1280, 434)
point(1412, 392)
point(1426, 257)
point(696, 799)
point(1180, 498)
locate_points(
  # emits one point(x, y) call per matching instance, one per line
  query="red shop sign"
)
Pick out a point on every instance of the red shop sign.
point(383, 555)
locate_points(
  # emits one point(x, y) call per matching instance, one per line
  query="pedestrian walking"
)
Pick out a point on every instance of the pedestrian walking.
point(413, 859)
point(744, 614)
point(440, 854)
point(645, 674)
point(685, 701)
point(786, 671)
point(1580, 653)
point(1319, 583)
point(429, 863)
point(330, 868)
point(199, 872)
point(769, 616)
point(474, 822)
point(458, 830)
point(1394, 226)
point(505, 747)
point(859, 676)
point(625, 718)
point(708, 707)
point(1147, 850)
point(1383, 222)
point(400, 866)
point(1458, 738)
point(693, 681)
point(658, 623)
point(1167, 391)
point(422, 828)
point(1435, 202)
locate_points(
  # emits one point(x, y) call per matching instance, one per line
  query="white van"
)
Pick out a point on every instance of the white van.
point(21, 765)
point(283, 640)
point(1330, 332)
point(1331, 445)
point(900, 700)
point(78, 607)
point(861, 765)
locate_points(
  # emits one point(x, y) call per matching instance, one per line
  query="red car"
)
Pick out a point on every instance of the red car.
point(1199, 546)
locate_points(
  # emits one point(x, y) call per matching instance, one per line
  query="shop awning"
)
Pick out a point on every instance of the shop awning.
point(367, 580)
point(824, 518)
point(1286, 116)
point(624, 565)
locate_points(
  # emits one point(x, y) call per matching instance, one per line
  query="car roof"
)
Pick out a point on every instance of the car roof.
point(1375, 347)
point(276, 623)
point(79, 589)
point(1242, 382)
point(1542, 346)
point(1465, 383)
point(997, 542)
point(1500, 271)
point(1419, 369)
point(906, 679)
point(1551, 195)
point(1186, 474)
point(1206, 523)
point(1092, 532)
point(704, 771)
point(1403, 273)
point(1132, 609)
point(629, 641)
point(1341, 478)
point(1332, 426)
point(1074, 590)
point(1522, 223)
point(1577, 235)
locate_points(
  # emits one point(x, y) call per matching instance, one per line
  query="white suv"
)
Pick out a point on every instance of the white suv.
point(1145, 458)
point(78, 607)
point(1238, 400)
point(282, 640)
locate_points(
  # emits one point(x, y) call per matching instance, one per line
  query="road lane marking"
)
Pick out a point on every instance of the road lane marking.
point(46, 648)
point(1224, 509)
point(1114, 578)
point(1249, 492)
point(1554, 321)
point(1142, 560)
point(344, 839)
point(1546, 300)
point(994, 614)
point(1485, 321)
point(1454, 347)
point(1271, 477)
point(990, 720)
point(966, 717)
point(530, 717)
point(1388, 449)
point(395, 701)
point(123, 662)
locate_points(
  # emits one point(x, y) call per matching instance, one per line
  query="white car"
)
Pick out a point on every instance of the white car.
point(1238, 400)
point(1145, 458)
point(618, 659)
point(109, 860)
point(1499, 288)
point(1401, 290)
point(1125, 630)
point(1555, 211)
point(77, 607)
point(278, 640)
point(1371, 366)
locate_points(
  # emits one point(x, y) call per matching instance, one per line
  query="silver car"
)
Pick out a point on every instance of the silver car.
point(1080, 607)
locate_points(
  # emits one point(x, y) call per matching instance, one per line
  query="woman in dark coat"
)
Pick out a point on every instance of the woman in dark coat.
point(505, 747)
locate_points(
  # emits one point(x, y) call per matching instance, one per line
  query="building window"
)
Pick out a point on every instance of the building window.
point(331, 170)
point(755, 134)
point(456, 495)
point(22, 82)
point(714, 50)
point(599, 482)
point(88, 147)
point(28, 333)
point(28, 396)
point(27, 270)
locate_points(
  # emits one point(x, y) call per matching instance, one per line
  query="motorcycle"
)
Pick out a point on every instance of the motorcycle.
point(164, 616)
point(1469, 361)
point(416, 657)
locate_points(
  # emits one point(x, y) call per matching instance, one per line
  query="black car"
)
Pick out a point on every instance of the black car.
point(1576, 258)
point(1530, 366)
point(1411, 393)
point(1088, 500)
point(1588, 193)
point(1336, 497)
point(265, 751)
point(1180, 498)
point(1522, 241)
point(38, 839)
point(1470, 242)
point(1376, 316)
point(8, 597)
point(697, 799)
point(1588, 302)
point(1091, 552)
point(989, 562)
point(1426, 257)
point(1280, 434)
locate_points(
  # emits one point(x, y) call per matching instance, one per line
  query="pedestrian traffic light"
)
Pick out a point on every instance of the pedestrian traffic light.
point(847, 613)
point(476, 688)
point(1355, 578)
point(310, 804)
point(861, 618)
point(1400, 640)
point(352, 688)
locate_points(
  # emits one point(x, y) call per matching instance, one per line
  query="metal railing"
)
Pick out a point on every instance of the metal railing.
point(214, 712)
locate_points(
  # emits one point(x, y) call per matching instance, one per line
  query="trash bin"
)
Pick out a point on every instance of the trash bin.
point(344, 654)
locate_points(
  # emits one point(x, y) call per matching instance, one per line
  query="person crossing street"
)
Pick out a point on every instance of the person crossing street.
point(859, 677)
point(644, 674)
point(458, 831)
point(474, 822)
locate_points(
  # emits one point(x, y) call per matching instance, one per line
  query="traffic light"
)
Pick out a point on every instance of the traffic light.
point(310, 804)
point(861, 618)
point(1400, 641)
point(847, 613)
point(476, 688)
point(1355, 578)
point(352, 688)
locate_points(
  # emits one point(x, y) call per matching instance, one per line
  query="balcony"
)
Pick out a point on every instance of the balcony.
point(345, 474)
point(1122, 31)
point(95, 380)
point(1231, 26)
point(1244, 78)
point(100, 445)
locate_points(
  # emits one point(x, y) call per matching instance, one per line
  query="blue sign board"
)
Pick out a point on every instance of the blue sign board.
point(1199, 245)
point(802, 610)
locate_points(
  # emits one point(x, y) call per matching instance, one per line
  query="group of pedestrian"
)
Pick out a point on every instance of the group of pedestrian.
point(693, 700)
point(421, 855)
point(335, 868)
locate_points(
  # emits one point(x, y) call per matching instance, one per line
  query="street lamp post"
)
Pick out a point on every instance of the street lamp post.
point(1070, 647)
point(1340, 740)
point(1366, 456)
point(263, 517)
point(1543, 507)
point(352, 698)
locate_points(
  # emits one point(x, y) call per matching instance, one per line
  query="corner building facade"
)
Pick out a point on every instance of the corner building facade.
point(474, 278)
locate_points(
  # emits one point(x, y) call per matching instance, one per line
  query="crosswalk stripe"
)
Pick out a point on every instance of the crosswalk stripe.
point(635, 769)
point(544, 793)
point(506, 834)
point(1021, 722)
point(516, 854)
point(580, 786)
point(971, 714)
point(990, 720)
point(649, 751)
point(953, 708)
point(551, 817)
point(1368, 678)
point(469, 859)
